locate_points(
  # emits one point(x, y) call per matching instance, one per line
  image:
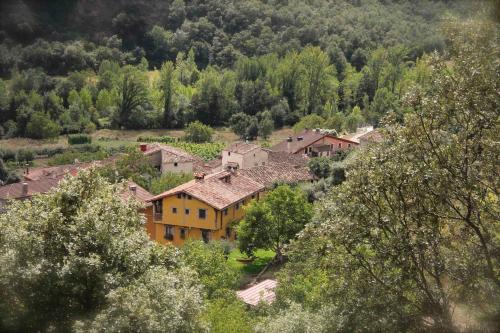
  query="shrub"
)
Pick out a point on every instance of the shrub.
point(78, 139)
point(25, 155)
point(162, 139)
point(197, 132)
point(41, 126)
point(168, 181)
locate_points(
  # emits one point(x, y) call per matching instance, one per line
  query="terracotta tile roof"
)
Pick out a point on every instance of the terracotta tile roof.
point(216, 191)
point(242, 147)
point(273, 173)
point(15, 191)
point(373, 136)
point(261, 292)
point(209, 167)
point(302, 140)
point(169, 153)
point(62, 170)
point(284, 157)
point(140, 194)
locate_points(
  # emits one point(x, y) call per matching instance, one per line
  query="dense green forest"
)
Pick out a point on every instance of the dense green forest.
point(76, 66)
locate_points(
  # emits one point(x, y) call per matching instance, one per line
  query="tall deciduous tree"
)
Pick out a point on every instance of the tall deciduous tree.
point(167, 88)
point(132, 95)
point(272, 222)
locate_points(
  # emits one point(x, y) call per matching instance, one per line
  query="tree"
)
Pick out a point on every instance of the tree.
point(228, 314)
point(397, 263)
point(167, 88)
point(243, 125)
point(353, 120)
point(143, 307)
point(321, 167)
point(209, 261)
point(41, 126)
point(318, 78)
point(266, 124)
point(82, 249)
point(198, 133)
point(169, 180)
point(309, 122)
point(272, 222)
point(132, 95)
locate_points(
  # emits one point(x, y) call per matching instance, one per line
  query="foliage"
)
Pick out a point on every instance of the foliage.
point(321, 167)
point(196, 132)
point(163, 139)
point(168, 181)
point(80, 249)
point(209, 261)
point(41, 127)
point(70, 157)
point(78, 139)
point(207, 151)
point(293, 320)
point(133, 165)
point(228, 314)
point(309, 122)
point(393, 263)
point(272, 222)
point(143, 306)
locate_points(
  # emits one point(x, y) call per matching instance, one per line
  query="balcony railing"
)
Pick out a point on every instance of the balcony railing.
point(157, 216)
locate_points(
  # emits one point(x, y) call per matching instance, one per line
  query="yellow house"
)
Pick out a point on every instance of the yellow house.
point(202, 208)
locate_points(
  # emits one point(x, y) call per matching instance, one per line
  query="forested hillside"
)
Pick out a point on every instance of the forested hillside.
point(76, 66)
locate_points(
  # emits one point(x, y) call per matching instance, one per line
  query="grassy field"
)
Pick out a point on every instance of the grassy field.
point(115, 138)
point(262, 258)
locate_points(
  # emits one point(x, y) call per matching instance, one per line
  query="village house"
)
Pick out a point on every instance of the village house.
point(314, 143)
point(42, 180)
point(170, 159)
point(202, 208)
point(244, 155)
point(365, 135)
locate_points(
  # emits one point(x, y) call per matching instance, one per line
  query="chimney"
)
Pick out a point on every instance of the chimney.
point(25, 189)
point(318, 130)
point(199, 176)
point(288, 144)
point(143, 147)
point(133, 189)
point(300, 138)
point(27, 168)
point(289, 139)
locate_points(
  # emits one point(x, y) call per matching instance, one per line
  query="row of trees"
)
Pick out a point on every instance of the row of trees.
point(256, 96)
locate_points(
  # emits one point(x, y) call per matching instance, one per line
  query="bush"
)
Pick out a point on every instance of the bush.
point(78, 139)
point(162, 139)
point(25, 155)
point(70, 157)
point(168, 181)
point(197, 132)
point(41, 126)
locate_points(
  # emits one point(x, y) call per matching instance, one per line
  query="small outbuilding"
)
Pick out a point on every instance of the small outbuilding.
point(261, 292)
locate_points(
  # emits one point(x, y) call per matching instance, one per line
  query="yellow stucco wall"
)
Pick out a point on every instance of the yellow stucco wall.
point(216, 221)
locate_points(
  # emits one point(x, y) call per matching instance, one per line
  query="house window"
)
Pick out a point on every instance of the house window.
point(253, 196)
point(175, 164)
point(158, 209)
point(228, 233)
point(174, 210)
point(169, 232)
point(228, 153)
point(225, 211)
point(237, 206)
point(205, 234)
point(348, 145)
point(202, 213)
point(183, 233)
point(179, 195)
point(189, 197)
point(340, 145)
point(186, 211)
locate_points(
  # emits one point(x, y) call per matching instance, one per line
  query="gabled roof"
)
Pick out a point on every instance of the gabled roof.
point(303, 140)
point(170, 154)
point(242, 147)
point(218, 190)
point(140, 193)
point(261, 292)
point(273, 173)
point(284, 157)
point(15, 191)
